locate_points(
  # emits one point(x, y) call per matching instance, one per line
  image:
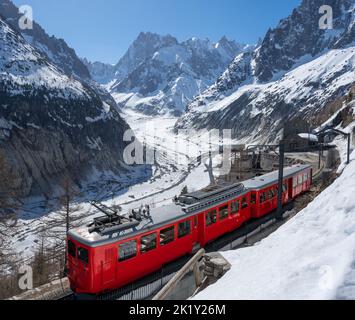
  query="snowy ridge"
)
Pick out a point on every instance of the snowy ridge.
point(158, 75)
point(293, 73)
point(301, 92)
point(50, 122)
point(56, 50)
point(24, 71)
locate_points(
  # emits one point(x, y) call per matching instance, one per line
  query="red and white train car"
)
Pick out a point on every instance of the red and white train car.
point(117, 250)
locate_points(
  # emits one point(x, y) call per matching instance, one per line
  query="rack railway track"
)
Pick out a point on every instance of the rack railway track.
point(249, 234)
point(150, 285)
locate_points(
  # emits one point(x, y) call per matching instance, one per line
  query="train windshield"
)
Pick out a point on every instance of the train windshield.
point(83, 255)
point(71, 249)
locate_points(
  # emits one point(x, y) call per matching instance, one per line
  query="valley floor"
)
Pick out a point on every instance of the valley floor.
point(174, 169)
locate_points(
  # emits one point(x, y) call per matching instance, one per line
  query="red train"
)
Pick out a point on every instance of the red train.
point(116, 250)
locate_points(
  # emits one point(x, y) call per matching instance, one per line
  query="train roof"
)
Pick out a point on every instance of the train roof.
point(272, 177)
point(186, 206)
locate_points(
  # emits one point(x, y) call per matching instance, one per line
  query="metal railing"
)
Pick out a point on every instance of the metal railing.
point(193, 265)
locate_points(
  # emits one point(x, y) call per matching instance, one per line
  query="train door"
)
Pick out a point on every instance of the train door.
point(201, 229)
point(108, 267)
point(254, 204)
point(290, 188)
point(245, 208)
point(196, 242)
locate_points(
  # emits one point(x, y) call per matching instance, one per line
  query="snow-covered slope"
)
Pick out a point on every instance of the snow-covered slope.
point(24, 70)
point(295, 71)
point(54, 49)
point(102, 73)
point(159, 75)
point(51, 123)
point(310, 257)
point(257, 112)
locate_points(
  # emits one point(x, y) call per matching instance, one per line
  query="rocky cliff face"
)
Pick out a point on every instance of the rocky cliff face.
point(299, 35)
point(51, 123)
point(159, 75)
point(296, 70)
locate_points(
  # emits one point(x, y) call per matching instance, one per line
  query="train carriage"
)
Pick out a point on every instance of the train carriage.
point(116, 250)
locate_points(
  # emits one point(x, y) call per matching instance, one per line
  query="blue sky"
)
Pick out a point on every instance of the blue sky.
point(102, 30)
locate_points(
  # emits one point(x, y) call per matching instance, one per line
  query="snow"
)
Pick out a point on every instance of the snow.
point(173, 73)
point(300, 83)
point(27, 70)
point(4, 124)
point(308, 136)
point(176, 169)
point(310, 257)
point(332, 118)
point(105, 114)
point(172, 55)
point(179, 93)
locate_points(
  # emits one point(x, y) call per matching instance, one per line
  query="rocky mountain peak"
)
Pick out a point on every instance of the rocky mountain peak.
point(51, 122)
point(295, 71)
point(159, 75)
point(154, 40)
point(299, 35)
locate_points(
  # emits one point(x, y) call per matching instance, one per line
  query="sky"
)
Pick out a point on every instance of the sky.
point(102, 30)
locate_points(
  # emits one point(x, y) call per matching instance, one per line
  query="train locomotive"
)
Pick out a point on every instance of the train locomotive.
point(118, 249)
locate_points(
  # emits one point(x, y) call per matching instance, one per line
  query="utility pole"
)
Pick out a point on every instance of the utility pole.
point(281, 178)
point(344, 134)
point(349, 141)
point(67, 209)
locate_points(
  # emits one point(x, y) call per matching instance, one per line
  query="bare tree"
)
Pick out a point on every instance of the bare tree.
point(9, 205)
point(57, 225)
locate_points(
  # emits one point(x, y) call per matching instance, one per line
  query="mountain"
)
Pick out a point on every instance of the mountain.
point(294, 73)
point(299, 36)
point(101, 72)
point(51, 123)
point(159, 75)
point(55, 49)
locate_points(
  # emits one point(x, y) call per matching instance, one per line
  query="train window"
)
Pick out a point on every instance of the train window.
point(271, 193)
point(167, 236)
point(148, 243)
point(305, 177)
point(211, 218)
point(284, 187)
point(234, 207)
point(253, 198)
point(71, 249)
point(275, 191)
point(300, 179)
point(184, 229)
point(223, 213)
point(127, 250)
point(245, 203)
point(263, 197)
point(83, 255)
point(195, 222)
point(294, 182)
